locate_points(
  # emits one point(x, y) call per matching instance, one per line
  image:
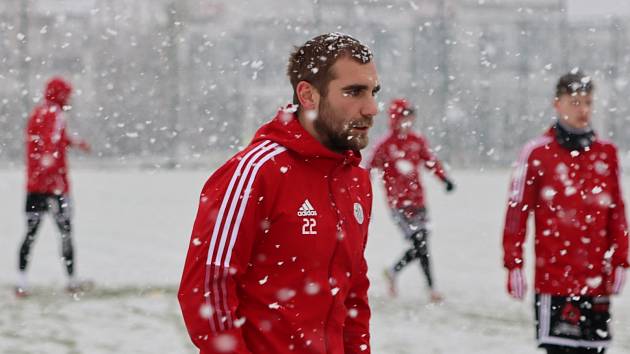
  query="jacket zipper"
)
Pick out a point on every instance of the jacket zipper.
point(332, 258)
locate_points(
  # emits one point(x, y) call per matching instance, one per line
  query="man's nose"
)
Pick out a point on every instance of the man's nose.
point(370, 108)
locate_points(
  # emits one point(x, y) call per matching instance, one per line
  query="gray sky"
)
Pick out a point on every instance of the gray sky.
point(583, 9)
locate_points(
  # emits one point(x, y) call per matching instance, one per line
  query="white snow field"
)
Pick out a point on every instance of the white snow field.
point(131, 234)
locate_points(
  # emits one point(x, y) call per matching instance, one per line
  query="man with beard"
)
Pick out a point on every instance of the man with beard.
point(399, 156)
point(276, 257)
point(569, 179)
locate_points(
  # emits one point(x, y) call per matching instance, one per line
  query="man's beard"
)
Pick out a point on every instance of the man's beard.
point(336, 134)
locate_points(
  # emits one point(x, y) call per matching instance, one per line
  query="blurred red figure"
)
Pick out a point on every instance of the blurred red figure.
point(399, 155)
point(569, 180)
point(47, 175)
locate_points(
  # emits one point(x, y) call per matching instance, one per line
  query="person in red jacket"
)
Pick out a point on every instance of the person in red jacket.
point(569, 179)
point(47, 176)
point(399, 156)
point(276, 257)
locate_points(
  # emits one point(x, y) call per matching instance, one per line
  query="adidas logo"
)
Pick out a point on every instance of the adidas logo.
point(306, 209)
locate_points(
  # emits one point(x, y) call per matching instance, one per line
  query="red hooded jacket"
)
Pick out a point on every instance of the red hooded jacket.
point(579, 214)
point(46, 142)
point(400, 156)
point(276, 259)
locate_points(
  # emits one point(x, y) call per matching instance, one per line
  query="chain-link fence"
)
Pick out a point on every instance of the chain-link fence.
point(183, 82)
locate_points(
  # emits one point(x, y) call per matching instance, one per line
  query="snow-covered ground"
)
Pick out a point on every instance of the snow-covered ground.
point(131, 234)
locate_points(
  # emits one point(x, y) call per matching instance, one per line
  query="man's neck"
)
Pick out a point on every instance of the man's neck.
point(402, 133)
point(308, 123)
point(572, 129)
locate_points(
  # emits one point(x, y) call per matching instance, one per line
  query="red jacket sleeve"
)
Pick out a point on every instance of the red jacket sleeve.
point(221, 244)
point(356, 331)
point(431, 161)
point(522, 201)
point(70, 141)
point(617, 226)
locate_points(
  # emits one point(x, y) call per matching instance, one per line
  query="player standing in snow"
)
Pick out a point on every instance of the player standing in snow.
point(569, 179)
point(276, 259)
point(399, 156)
point(47, 177)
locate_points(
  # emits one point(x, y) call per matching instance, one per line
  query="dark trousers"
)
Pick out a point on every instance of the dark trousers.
point(38, 204)
point(412, 221)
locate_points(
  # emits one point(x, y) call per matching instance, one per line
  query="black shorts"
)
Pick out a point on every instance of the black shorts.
point(42, 202)
point(572, 321)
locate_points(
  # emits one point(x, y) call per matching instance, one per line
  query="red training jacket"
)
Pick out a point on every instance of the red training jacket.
point(400, 157)
point(579, 215)
point(46, 142)
point(276, 259)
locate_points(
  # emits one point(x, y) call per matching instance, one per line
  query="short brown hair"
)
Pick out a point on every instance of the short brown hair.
point(573, 82)
point(312, 61)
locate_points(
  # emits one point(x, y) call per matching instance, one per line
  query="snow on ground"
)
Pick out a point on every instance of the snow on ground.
point(131, 234)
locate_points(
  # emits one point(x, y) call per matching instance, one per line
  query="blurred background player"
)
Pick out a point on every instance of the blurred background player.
point(569, 179)
point(399, 156)
point(47, 177)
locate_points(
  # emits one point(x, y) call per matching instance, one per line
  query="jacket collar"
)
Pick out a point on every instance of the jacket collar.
point(571, 141)
point(286, 130)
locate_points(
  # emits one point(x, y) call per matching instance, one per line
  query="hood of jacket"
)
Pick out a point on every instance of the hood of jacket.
point(58, 91)
point(286, 130)
point(399, 109)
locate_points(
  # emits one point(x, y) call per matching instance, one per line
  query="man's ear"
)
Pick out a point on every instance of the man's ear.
point(307, 95)
point(556, 102)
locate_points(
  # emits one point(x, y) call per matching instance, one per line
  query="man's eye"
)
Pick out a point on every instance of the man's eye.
point(351, 93)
